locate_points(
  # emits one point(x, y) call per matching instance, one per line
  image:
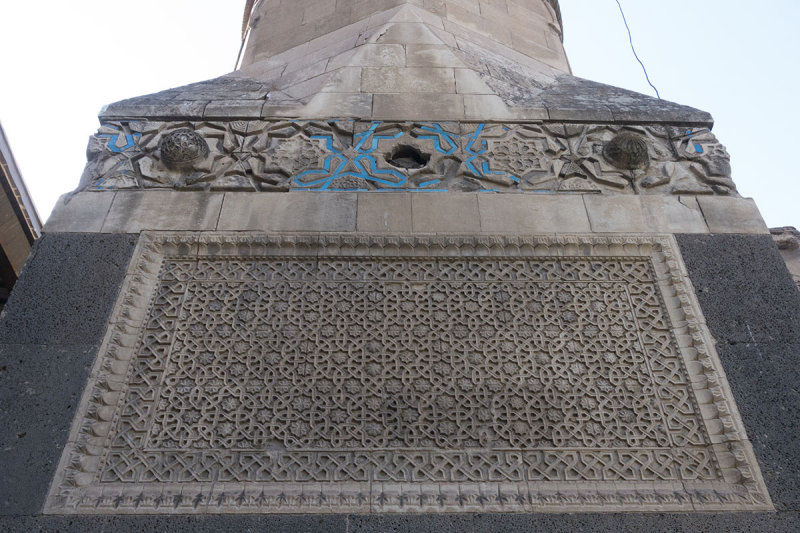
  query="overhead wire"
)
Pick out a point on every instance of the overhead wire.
point(633, 49)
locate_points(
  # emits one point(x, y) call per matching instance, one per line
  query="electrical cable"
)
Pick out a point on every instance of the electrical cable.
point(633, 49)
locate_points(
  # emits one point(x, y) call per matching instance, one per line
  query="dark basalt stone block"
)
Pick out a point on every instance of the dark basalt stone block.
point(67, 289)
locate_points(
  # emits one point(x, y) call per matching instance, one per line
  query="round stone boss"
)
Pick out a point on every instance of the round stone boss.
point(627, 151)
point(182, 148)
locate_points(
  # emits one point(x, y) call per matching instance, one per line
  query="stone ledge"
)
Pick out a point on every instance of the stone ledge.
point(732, 215)
point(483, 213)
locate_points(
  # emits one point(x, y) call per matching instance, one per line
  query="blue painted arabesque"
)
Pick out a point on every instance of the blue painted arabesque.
point(364, 164)
point(361, 161)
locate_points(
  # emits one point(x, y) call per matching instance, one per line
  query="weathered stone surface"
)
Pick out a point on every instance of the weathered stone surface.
point(732, 215)
point(753, 311)
point(81, 212)
point(73, 280)
point(401, 48)
point(787, 522)
point(673, 214)
point(459, 215)
point(277, 28)
point(49, 335)
point(40, 390)
point(531, 214)
point(229, 88)
point(788, 241)
point(463, 156)
point(383, 213)
point(135, 211)
point(365, 211)
point(399, 365)
point(289, 212)
point(615, 214)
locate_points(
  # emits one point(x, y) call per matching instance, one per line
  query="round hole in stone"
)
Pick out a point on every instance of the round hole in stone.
point(408, 157)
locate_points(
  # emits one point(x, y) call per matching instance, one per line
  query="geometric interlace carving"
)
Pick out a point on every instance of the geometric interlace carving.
point(363, 370)
point(315, 358)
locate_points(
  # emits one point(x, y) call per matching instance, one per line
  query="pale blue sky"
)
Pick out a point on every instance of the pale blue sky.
point(739, 59)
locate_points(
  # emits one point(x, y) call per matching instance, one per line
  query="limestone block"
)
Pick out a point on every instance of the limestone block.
point(615, 213)
point(525, 9)
point(80, 213)
point(482, 106)
point(337, 105)
point(404, 106)
point(408, 80)
point(598, 113)
point(371, 55)
point(431, 55)
point(673, 214)
point(343, 80)
point(389, 212)
point(453, 213)
point(530, 214)
point(472, 6)
point(409, 12)
point(495, 30)
point(347, 79)
point(444, 36)
point(301, 71)
point(408, 33)
point(315, 212)
point(135, 211)
point(469, 82)
point(732, 215)
point(155, 110)
point(228, 109)
point(535, 48)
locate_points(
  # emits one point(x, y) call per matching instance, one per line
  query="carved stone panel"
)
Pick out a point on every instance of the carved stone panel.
point(362, 374)
point(436, 157)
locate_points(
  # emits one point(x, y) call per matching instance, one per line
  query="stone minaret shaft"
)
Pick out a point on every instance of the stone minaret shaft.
point(401, 261)
point(530, 27)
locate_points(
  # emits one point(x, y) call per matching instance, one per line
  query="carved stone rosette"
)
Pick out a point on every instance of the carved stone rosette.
point(354, 373)
point(352, 155)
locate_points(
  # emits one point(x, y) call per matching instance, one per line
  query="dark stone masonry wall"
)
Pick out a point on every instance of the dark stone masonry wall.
point(50, 332)
point(752, 308)
point(46, 349)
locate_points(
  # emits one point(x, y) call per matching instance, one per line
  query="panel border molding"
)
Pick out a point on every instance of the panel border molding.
point(77, 487)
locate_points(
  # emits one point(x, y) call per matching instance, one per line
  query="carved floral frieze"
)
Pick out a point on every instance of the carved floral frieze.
point(383, 156)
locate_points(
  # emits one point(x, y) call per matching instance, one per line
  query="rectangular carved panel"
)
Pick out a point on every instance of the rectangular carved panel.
point(346, 155)
point(344, 374)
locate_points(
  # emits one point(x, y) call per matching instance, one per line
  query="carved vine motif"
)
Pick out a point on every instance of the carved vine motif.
point(279, 373)
point(678, 161)
point(349, 155)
